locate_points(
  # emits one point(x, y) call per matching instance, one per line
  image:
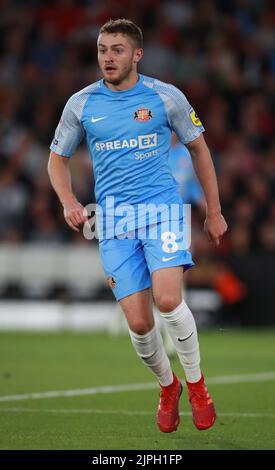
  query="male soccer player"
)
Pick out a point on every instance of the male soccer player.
point(127, 120)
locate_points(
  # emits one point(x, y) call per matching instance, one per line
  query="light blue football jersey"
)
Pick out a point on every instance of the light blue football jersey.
point(180, 162)
point(128, 134)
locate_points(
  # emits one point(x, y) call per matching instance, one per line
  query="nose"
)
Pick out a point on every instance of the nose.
point(108, 57)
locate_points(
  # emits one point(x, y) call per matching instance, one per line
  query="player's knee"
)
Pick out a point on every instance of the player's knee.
point(141, 327)
point(166, 303)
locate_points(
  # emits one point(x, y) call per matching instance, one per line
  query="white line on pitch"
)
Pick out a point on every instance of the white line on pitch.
point(219, 380)
point(125, 412)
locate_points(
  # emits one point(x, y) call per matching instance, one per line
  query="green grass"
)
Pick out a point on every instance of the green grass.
point(40, 362)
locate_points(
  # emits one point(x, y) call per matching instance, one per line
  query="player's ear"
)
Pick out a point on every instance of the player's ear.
point(138, 55)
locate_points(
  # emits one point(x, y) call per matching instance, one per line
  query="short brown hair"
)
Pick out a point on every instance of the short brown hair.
point(126, 27)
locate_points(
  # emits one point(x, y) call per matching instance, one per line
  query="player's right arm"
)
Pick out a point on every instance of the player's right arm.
point(68, 135)
point(60, 177)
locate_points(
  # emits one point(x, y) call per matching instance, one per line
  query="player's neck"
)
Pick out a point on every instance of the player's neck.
point(126, 84)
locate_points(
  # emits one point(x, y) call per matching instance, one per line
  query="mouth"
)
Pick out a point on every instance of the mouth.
point(109, 68)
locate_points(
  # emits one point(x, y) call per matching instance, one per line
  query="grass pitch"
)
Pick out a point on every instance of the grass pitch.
point(233, 363)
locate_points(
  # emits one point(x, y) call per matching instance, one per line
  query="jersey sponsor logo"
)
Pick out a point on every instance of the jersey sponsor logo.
point(93, 120)
point(195, 118)
point(144, 155)
point(147, 141)
point(142, 142)
point(143, 114)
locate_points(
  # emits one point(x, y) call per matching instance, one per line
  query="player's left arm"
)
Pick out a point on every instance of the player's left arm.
point(188, 127)
point(215, 225)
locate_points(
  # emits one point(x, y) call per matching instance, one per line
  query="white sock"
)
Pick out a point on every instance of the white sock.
point(182, 328)
point(150, 349)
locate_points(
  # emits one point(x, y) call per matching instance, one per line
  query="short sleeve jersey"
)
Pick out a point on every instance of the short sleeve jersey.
point(128, 134)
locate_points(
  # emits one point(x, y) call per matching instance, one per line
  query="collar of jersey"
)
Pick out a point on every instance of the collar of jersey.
point(130, 91)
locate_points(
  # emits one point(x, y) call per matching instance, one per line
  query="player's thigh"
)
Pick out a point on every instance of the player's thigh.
point(167, 260)
point(125, 266)
point(137, 309)
point(164, 249)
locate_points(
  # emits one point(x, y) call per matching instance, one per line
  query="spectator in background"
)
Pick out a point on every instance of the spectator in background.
point(13, 201)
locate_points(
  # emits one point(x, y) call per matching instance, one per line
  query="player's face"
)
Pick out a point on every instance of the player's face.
point(117, 57)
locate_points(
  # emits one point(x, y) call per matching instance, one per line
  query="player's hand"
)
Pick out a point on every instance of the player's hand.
point(75, 214)
point(215, 227)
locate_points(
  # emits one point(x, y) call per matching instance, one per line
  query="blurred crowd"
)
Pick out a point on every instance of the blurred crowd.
point(221, 54)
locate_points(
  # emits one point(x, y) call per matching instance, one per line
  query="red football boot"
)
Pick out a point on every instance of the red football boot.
point(168, 410)
point(203, 411)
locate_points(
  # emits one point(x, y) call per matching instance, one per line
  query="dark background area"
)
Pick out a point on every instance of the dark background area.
point(221, 54)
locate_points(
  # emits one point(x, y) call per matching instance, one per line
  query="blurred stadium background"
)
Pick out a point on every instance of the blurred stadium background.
point(222, 55)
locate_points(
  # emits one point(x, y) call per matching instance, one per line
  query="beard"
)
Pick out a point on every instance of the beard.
point(125, 72)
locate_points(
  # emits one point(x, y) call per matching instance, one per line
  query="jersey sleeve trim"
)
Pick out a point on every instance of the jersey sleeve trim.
point(180, 114)
point(70, 132)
